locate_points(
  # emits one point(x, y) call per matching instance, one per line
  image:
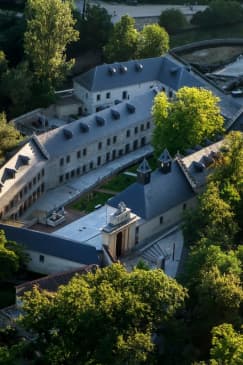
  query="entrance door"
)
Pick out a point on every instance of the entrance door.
point(118, 245)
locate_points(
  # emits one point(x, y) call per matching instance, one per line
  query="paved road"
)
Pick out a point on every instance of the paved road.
point(118, 10)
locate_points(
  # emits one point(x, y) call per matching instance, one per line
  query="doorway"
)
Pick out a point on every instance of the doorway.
point(118, 245)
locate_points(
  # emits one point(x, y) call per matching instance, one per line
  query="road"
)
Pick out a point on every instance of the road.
point(140, 11)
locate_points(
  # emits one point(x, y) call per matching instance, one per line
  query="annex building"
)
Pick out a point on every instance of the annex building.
point(117, 99)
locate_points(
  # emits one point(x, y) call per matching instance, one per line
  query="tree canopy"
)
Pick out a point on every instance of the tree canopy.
point(153, 41)
point(107, 317)
point(9, 136)
point(50, 28)
point(172, 20)
point(187, 120)
point(123, 41)
point(227, 346)
point(12, 257)
point(219, 12)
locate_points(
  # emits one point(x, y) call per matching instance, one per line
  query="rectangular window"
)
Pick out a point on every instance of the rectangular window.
point(91, 165)
point(84, 152)
point(108, 142)
point(41, 258)
point(98, 97)
point(136, 130)
point(142, 127)
point(107, 156)
point(67, 175)
point(72, 173)
point(124, 95)
point(68, 159)
point(161, 220)
point(99, 145)
point(127, 148)
point(98, 160)
point(78, 154)
point(43, 172)
point(108, 95)
point(135, 144)
point(120, 152)
point(128, 133)
point(62, 161)
point(61, 178)
point(114, 139)
point(148, 125)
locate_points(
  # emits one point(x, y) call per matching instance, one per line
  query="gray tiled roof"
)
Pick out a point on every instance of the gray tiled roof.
point(54, 139)
point(51, 245)
point(99, 78)
point(166, 69)
point(164, 192)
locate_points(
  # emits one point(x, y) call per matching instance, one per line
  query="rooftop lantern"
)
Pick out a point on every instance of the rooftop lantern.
point(165, 161)
point(144, 173)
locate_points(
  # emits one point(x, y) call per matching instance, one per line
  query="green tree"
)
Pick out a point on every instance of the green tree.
point(50, 28)
point(3, 64)
point(106, 317)
point(16, 86)
point(12, 257)
point(213, 220)
point(172, 20)
point(186, 121)
point(227, 346)
point(95, 29)
point(123, 42)
point(9, 136)
point(153, 41)
point(219, 12)
point(203, 258)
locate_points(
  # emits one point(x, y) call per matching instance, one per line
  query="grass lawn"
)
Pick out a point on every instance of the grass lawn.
point(115, 184)
point(233, 31)
point(7, 294)
point(88, 202)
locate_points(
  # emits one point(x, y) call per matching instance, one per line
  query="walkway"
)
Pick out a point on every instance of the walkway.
point(65, 194)
point(165, 252)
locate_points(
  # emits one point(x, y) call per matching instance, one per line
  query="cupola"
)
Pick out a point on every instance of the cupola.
point(165, 162)
point(144, 173)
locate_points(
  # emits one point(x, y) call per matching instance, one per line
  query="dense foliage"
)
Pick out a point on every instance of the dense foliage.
point(127, 43)
point(185, 121)
point(172, 20)
point(45, 45)
point(9, 136)
point(107, 317)
point(12, 257)
point(219, 12)
point(213, 271)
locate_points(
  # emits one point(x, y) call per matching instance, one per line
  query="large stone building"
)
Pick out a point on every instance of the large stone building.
point(125, 92)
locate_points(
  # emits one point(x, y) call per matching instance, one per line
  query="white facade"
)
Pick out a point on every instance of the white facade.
point(95, 101)
point(46, 264)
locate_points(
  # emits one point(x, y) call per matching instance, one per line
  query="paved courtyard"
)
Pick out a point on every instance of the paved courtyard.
point(65, 194)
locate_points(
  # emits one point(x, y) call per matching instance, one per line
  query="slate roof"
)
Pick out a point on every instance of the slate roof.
point(201, 157)
point(164, 192)
point(51, 245)
point(51, 283)
point(144, 167)
point(79, 135)
point(166, 69)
